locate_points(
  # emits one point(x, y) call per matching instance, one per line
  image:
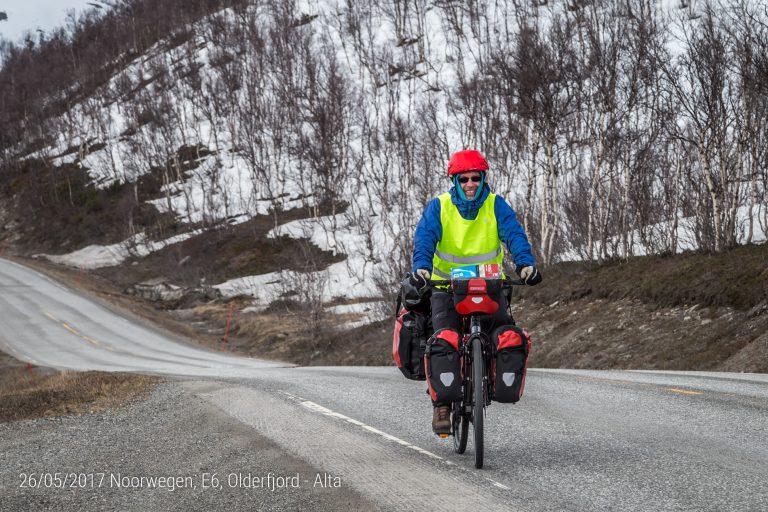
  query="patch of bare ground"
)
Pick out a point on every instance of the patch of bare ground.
point(737, 278)
point(287, 335)
point(229, 252)
point(691, 311)
point(629, 334)
point(37, 394)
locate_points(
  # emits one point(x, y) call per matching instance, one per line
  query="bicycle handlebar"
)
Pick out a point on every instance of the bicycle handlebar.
point(506, 283)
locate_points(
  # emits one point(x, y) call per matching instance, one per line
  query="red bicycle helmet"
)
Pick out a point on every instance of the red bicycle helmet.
point(467, 160)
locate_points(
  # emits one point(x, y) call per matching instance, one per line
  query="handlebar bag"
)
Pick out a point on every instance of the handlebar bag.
point(409, 343)
point(509, 366)
point(476, 295)
point(442, 366)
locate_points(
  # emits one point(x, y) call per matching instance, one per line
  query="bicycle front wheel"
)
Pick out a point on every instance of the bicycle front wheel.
point(478, 394)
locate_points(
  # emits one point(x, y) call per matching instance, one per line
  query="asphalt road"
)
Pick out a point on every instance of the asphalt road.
point(47, 324)
point(579, 440)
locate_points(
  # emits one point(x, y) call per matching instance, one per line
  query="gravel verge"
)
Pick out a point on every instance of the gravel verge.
point(170, 433)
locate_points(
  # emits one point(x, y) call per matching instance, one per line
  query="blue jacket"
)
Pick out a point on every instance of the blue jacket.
point(429, 230)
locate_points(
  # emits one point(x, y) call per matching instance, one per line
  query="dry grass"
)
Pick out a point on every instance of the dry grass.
point(737, 278)
point(287, 335)
point(28, 396)
point(260, 326)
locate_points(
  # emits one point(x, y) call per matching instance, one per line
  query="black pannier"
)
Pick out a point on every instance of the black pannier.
point(508, 367)
point(409, 342)
point(412, 329)
point(443, 367)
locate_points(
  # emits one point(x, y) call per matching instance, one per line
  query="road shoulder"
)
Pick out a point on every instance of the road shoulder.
point(117, 459)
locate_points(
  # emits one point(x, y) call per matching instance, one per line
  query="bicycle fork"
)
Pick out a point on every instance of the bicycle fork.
point(476, 335)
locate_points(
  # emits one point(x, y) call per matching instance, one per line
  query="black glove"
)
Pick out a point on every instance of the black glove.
point(419, 278)
point(530, 275)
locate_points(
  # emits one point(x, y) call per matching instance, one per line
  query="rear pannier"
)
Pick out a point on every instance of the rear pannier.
point(441, 361)
point(509, 366)
point(409, 342)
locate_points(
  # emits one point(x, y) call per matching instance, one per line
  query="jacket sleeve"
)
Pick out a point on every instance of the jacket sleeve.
point(428, 232)
point(512, 234)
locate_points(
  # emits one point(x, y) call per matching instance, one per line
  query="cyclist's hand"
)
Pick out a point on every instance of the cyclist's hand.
point(419, 278)
point(530, 275)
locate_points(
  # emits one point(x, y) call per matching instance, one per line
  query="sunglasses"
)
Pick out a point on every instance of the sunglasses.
point(475, 179)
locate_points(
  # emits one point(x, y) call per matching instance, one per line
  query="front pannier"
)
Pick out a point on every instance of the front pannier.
point(509, 367)
point(409, 342)
point(476, 295)
point(441, 361)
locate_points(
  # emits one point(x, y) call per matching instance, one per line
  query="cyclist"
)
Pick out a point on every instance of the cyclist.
point(466, 226)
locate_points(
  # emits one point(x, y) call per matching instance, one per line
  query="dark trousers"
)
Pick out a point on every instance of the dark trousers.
point(444, 316)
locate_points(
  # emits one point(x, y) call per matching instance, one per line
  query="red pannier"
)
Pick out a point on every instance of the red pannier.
point(409, 342)
point(508, 367)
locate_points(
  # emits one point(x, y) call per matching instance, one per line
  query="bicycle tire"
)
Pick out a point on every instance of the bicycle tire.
point(460, 427)
point(478, 409)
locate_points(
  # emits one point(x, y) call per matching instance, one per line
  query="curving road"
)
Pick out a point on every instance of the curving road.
point(46, 324)
point(579, 440)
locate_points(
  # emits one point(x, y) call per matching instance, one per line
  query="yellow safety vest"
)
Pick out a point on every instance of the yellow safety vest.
point(466, 242)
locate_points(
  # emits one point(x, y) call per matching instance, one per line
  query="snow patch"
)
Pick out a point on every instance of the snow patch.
point(99, 256)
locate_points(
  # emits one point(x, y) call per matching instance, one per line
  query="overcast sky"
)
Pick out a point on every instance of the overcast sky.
point(30, 15)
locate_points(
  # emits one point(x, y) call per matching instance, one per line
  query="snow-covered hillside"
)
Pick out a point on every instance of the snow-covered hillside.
point(592, 118)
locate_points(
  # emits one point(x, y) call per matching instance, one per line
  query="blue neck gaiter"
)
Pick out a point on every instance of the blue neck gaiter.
point(468, 209)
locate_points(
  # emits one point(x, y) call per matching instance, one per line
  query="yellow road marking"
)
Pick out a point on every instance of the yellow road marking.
point(72, 329)
point(86, 338)
point(685, 391)
point(591, 378)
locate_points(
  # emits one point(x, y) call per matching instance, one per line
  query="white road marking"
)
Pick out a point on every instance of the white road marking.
point(315, 407)
point(499, 485)
point(312, 406)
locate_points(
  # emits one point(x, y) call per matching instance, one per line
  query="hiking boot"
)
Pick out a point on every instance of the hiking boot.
point(441, 420)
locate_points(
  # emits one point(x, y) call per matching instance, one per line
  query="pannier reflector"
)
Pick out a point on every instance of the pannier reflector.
point(508, 378)
point(446, 378)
